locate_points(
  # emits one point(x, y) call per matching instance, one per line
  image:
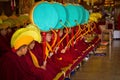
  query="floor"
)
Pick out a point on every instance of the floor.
point(101, 67)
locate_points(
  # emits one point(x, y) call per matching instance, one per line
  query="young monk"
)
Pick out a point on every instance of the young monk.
point(4, 41)
point(14, 65)
point(74, 52)
point(61, 56)
point(37, 49)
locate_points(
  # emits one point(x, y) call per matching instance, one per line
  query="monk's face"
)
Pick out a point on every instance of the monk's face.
point(3, 32)
point(48, 37)
point(61, 33)
point(9, 30)
point(32, 44)
point(22, 50)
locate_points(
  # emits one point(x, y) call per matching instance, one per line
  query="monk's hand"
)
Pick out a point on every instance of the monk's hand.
point(63, 50)
point(56, 49)
point(44, 63)
point(43, 67)
point(50, 54)
point(74, 42)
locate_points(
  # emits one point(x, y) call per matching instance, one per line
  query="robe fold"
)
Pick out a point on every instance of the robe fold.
point(13, 67)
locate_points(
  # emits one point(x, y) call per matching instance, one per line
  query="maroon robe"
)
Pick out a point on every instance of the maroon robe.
point(81, 46)
point(97, 29)
point(51, 68)
point(74, 52)
point(62, 59)
point(4, 45)
point(13, 67)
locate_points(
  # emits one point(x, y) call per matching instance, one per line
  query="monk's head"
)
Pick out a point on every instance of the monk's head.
point(3, 29)
point(48, 36)
point(61, 32)
point(22, 50)
point(31, 45)
point(21, 43)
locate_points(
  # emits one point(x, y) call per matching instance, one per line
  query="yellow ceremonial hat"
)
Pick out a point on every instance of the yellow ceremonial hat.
point(3, 26)
point(1, 21)
point(16, 35)
point(34, 34)
point(3, 16)
point(93, 19)
point(25, 32)
point(34, 31)
point(33, 27)
point(22, 40)
point(99, 15)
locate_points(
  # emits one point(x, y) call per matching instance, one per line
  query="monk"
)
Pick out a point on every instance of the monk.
point(10, 32)
point(50, 68)
point(4, 42)
point(14, 65)
point(37, 49)
point(61, 56)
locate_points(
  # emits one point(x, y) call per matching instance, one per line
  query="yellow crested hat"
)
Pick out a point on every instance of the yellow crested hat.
point(16, 35)
point(3, 16)
point(25, 32)
point(22, 40)
point(93, 19)
point(1, 21)
point(3, 26)
point(33, 27)
point(96, 15)
point(34, 34)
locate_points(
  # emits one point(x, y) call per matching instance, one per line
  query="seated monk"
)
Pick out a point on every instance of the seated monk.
point(49, 67)
point(62, 56)
point(80, 46)
point(4, 41)
point(37, 50)
point(14, 66)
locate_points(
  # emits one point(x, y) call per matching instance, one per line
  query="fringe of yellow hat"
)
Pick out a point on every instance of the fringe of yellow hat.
point(95, 16)
point(23, 36)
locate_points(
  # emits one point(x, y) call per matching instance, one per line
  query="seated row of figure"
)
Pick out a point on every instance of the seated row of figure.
point(27, 62)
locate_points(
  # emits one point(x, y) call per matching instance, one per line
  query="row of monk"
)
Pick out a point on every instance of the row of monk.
point(27, 59)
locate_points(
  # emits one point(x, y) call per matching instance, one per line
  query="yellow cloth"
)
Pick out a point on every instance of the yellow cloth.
point(48, 48)
point(22, 40)
point(46, 53)
point(34, 59)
